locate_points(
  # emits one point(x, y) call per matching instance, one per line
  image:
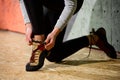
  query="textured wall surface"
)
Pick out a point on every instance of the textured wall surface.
point(96, 14)
point(10, 16)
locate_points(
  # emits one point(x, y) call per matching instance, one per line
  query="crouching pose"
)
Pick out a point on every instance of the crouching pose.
point(46, 21)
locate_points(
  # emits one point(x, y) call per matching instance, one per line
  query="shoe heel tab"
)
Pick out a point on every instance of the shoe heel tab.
point(92, 31)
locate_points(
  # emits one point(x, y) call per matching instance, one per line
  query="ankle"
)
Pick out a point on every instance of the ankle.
point(39, 38)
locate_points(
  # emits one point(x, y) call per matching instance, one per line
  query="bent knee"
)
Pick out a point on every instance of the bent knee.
point(53, 59)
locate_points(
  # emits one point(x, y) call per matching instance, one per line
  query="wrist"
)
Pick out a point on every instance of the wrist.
point(56, 31)
point(28, 25)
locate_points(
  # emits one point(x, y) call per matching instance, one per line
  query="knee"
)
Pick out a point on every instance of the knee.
point(50, 59)
point(53, 60)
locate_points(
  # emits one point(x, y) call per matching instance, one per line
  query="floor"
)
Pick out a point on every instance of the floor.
point(15, 53)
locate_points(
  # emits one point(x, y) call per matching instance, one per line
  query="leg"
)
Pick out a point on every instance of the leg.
point(62, 50)
point(98, 38)
point(35, 13)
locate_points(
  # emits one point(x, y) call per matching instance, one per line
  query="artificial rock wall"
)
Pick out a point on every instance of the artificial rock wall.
point(96, 14)
point(10, 16)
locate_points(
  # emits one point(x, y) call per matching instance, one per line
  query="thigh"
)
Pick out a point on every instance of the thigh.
point(35, 12)
point(58, 5)
point(54, 5)
point(50, 19)
point(34, 9)
point(79, 5)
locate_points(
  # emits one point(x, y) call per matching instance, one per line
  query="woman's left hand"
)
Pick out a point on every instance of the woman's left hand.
point(50, 41)
point(51, 38)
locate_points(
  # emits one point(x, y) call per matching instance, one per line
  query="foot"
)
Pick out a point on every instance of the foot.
point(103, 44)
point(37, 58)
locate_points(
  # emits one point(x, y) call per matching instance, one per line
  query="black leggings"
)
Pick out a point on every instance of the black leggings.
point(43, 15)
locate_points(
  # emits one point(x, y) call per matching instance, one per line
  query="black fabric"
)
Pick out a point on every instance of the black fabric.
point(62, 50)
point(35, 12)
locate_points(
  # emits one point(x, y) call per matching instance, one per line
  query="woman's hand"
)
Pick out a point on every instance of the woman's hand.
point(50, 41)
point(28, 33)
point(51, 38)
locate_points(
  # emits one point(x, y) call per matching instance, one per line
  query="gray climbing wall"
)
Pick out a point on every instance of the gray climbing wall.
point(96, 14)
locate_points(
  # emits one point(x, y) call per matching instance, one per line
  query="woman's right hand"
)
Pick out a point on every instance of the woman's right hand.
point(28, 33)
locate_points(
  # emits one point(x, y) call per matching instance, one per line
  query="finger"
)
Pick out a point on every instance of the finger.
point(30, 43)
point(50, 45)
point(47, 48)
point(47, 41)
point(29, 40)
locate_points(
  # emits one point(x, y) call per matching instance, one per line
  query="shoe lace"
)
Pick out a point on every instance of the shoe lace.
point(91, 33)
point(36, 52)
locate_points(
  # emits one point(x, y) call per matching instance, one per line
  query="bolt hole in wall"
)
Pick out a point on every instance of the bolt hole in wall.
point(96, 14)
point(104, 16)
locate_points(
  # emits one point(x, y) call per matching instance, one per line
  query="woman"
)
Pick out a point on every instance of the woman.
point(45, 22)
